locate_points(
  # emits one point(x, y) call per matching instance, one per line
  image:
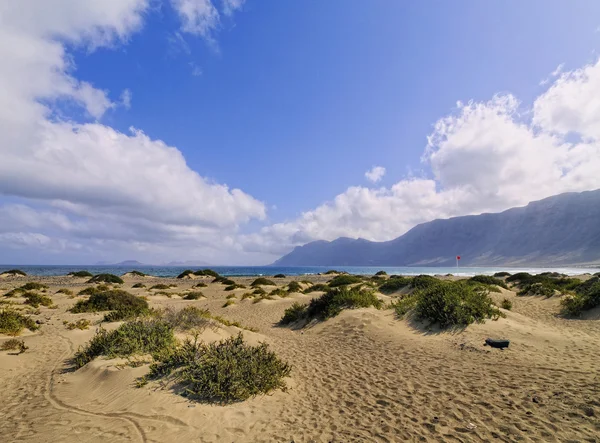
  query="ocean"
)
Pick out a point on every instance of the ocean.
point(173, 271)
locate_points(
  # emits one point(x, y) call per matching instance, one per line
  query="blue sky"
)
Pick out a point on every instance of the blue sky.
point(292, 102)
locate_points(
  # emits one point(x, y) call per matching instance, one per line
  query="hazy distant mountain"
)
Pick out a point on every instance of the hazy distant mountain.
point(123, 263)
point(559, 230)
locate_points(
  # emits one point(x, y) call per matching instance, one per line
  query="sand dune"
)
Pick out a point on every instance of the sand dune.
point(361, 376)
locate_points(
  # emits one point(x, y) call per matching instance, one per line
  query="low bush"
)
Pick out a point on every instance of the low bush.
point(160, 286)
point(259, 291)
point(122, 304)
point(90, 290)
point(229, 303)
point(79, 324)
point(279, 276)
point(423, 282)
point(35, 300)
point(488, 280)
point(207, 272)
point(230, 296)
point(543, 288)
point(234, 286)
point(332, 271)
point(502, 274)
point(34, 286)
point(105, 278)
point(85, 274)
point(246, 295)
point(343, 280)
point(279, 292)
point(14, 272)
point(13, 344)
point(185, 273)
point(584, 299)
point(139, 285)
point(138, 273)
point(394, 284)
point(64, 291)
point(193, 295)
point(335, 300)
point(223, 372)
point(294, 286)
point(261, 281)
point(506, 304)
point(187, 318)
point(454, 304)
point(294, 313)
point(199, 285)
point(318, 287)
point(224, 281)
point(404, 305)
point(143, 336)
point(381, 273)
point(13, 322)
point(262, 297)
point(14, 292)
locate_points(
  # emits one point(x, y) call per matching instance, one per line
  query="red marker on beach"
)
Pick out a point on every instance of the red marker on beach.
point(457, 259)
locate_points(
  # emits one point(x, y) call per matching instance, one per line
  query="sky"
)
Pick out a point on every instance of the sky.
point(231, 131)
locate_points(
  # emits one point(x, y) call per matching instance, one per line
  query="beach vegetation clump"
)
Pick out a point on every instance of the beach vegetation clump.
point(193, 295)
point(506, 304)
point(294, 286)
point(224, 372)
point(185, 273)
point(585, 298)
point(141, 336)
point(279, 276)
point(454, 304)
point(246, 295)
point(404, 305)
point(381, 273)
point(229, 303)
point(423, 282)
point(333, 271)
point(488, 280)
point(90, 290)
point(81, 274)
point(259, 291)
point(207, 272)
point(321, 287)
point(160, 286)
point(13, 322)
point(106, 278)
point(279, 292)
point(394, 284)
point(82, 324)
point(262, 281)
point(14, 272)
point(138, 273)
point(234, 286)
point(502, 274)
point(343, 280)
point(199, 285)
point(14, 292)
point(223, 280)
point(545, 289)
point(122, 305)
point(188, 318)
point(64, 291)
point(35, 300)
point(14, 344)
point(139, 285)
point(231, 296)
point(34, 286)
point(294, 313)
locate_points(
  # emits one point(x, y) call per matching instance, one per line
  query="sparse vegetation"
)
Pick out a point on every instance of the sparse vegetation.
point(106, 278)
point(223, 372)
point(279, 276)
point(223, 280)
point(229, 303)
point(137, 273)
point(261, 281)
point(142, 336)
point(79, 324)
point(343, 280)
point(187, 318)
point(506, 304)
point(193, 295)
point(234, 286)
point(139, 285)
point(14, 344)
point(332, 271)
point(231, 296)
point(199, 285)
point(587, 296)
point(122, 305)
point(259, 291)
point(294, 286)
point(160, 286)
point(394, 284)
point(423, 282)
point(81, 274)
point(278, 292)
point(34, 286)
point(294, 313)
point(35, 300)
point(488, 280)
point(318, 287)
point(14, 272)
point(404, 305)
point(90, 290)
point(13, 322)
point(185, 273)
point(381, 273)
point(543, 288)
point(64, 291)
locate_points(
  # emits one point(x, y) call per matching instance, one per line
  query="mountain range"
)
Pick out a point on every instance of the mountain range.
point(556, 231)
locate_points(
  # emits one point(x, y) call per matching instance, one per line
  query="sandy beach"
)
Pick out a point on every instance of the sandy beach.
point(361, 376)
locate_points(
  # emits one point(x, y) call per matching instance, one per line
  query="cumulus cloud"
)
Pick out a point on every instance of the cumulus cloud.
point(230, 6)
point(485, 156)
point(375, 174)
point(198, 17)
point(83, 179)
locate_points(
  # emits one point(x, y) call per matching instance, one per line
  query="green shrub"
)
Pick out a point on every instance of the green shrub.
point(207, 272)
point(259, 291)
point(138, 273)
point(160, 286)
point(185, 273)
point(502, 274)
point(423, 282)
point(506, 304)
point(294, 313)
point(223, 280)
point(139, 285)
point(14, 344)
point(246, 295)
point(64, 291)
point(122, 304)
point(263, 297)
point(79, 324)
point(583, 300)
point(34, 299)
point(34, 286)
point(404, 305)
point(381, 273)
point(199, 285)
point(342, 280)
point(234, 286)
point(294, 286)
point(105, 278)
point(229, 303)
point(187, 318)
point(489, 280)
point(521, 277)
point(318, 287)
point(454, 304)
point(263, 281)
point(335, 300)
point(89, 291)
point(14, 292)
point(279, 292)
point(193, 295)
point(14, 272)
point(143, 336)
point(230, 296)
point(13, 322)
point(223, 372)
point(543, 288)
point(279, 276)
point(332, 271)
point(85, 274)
point(394, 284)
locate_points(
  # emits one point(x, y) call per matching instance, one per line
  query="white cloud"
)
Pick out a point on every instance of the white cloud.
point(375, 174)
point(484, 157)
point(88, 180)
point(199, 17)
point(196, 70)
point(230, 6)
